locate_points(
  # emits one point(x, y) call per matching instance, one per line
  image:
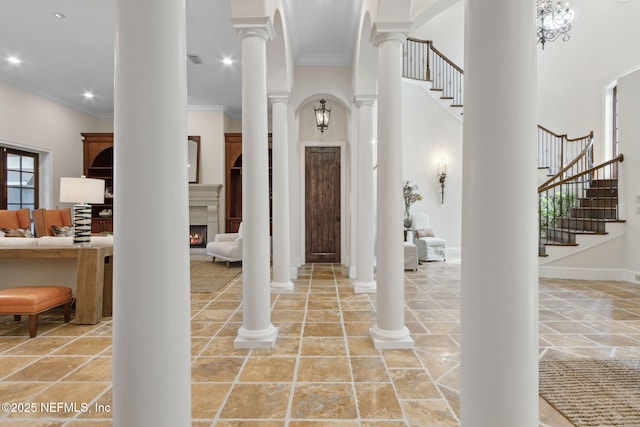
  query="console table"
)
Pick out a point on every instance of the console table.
point(94, 276)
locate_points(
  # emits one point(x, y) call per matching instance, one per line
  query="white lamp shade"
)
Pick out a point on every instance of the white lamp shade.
point(81, 190)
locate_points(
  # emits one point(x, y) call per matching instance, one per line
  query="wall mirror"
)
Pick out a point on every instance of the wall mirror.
point(194, 159)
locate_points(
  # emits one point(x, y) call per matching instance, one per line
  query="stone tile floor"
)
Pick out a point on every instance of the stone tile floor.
point(324, 370)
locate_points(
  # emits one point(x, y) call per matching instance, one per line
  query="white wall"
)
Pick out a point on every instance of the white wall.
point(429, 133)
point(311, 84)
point(572, 81)
point(629, 111)
point(210, 126)
point(446, 30)
point(34, 123)
point(573, 75)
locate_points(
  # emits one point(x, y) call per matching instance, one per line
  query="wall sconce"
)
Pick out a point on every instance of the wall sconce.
point(81, 191)
point(322, 116)
point(442, 176)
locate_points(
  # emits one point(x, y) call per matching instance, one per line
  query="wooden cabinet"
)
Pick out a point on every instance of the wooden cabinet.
point(98, 163)
point(101, 225)
point(233, 181)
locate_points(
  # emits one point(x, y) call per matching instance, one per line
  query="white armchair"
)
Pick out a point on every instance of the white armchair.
point(226, 246)
point(430, 248)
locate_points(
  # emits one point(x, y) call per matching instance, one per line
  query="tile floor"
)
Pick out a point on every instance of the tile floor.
point(324, 370)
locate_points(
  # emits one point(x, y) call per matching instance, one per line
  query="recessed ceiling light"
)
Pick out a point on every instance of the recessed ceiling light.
point(59, 15)
point(227, 61)
point(88, 95)
point(14, 59)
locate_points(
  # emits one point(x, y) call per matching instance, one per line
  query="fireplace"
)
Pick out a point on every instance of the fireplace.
point(198, 236)
point(203, 207)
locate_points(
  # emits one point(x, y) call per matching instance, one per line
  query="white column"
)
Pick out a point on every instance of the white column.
point(256, 331)
point(281, 282)
point(390, 330)
point(499, 351)
point(365, 282)
point(151, 295)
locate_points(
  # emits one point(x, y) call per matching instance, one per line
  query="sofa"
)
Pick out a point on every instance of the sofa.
point(15, 222)
point(49, 222)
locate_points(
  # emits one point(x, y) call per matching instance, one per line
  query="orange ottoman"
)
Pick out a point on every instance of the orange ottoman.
point(33, 300)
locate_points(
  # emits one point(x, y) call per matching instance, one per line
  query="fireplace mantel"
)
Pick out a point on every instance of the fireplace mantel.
point(204, 200)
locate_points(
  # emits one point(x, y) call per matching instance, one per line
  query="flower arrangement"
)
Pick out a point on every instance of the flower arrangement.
point(411, 195)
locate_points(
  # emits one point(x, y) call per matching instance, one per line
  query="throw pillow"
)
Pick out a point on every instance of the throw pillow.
point(62, 230)
point(427, 232)
point(17, 232)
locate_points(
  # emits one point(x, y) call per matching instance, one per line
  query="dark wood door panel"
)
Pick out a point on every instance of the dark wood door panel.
point(322, 204)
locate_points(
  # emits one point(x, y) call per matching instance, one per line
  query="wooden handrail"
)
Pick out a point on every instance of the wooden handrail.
point(447, 60)
point(552, 132)
point(590, 135)
point(619, 158)
point(436, 51)
point(584, 151)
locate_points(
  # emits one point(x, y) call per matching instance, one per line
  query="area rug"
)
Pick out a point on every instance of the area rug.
point(207, 276)
point(591, 392)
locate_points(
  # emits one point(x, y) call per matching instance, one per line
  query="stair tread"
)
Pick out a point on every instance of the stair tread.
point(586, 218)
point(573, 231)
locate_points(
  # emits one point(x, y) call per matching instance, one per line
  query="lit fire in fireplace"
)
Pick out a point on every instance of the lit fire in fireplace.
point(198, 236)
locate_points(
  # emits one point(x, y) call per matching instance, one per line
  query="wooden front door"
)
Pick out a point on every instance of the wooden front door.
point(322, 204)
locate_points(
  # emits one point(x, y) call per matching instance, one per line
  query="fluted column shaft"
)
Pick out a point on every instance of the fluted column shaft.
point(499, 351)
point(365, 282)
point(256, 331)
point(151, 295)
point(390, 330)
point(280, 196)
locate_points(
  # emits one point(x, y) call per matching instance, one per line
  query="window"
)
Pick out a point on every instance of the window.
point(19, 184)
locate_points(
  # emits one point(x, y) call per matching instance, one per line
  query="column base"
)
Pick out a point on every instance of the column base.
point(264, 338)
point(353, 272)
point(364, 287)
point(391, 340)
point(282, 287)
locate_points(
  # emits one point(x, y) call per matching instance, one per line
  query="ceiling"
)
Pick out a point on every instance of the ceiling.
point(63, 58)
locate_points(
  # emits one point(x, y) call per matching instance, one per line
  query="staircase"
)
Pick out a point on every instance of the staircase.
point(422, 61)
point(582, 204)
point(578, 200)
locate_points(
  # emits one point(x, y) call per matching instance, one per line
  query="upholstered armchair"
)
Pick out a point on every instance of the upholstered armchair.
point(430, 248)
point(226, 246)
point(45, 219)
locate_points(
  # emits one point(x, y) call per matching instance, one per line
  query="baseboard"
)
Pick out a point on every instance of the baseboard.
point(589, 274)
point(453, 252)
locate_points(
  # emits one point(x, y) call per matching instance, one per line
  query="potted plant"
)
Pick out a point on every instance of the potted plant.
point(411, 195)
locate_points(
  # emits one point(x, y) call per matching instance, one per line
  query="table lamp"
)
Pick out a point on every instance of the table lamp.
point(81, 191)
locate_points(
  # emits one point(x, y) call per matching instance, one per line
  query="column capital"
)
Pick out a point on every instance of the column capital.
point(254, 26)
point(365, 100)
point(280, 97)
point(389, 31)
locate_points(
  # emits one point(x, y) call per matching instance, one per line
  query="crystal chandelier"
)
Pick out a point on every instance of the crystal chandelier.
point(553, 21)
